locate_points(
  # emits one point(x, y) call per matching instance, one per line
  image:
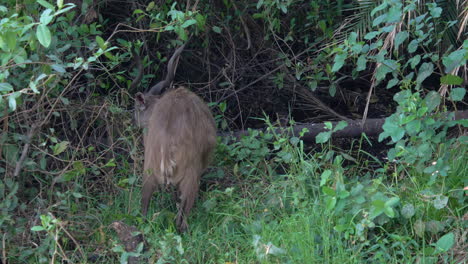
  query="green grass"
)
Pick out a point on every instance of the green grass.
point(261, 210)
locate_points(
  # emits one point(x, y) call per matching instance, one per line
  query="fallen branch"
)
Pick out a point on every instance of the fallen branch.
point(355, 128)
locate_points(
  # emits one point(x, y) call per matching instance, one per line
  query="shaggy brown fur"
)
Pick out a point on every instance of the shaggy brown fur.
point(179, 141)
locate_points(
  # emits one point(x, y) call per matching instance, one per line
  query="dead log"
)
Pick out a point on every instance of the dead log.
point(372, 127)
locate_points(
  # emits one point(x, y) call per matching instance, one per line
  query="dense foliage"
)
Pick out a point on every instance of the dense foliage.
point(70, 158)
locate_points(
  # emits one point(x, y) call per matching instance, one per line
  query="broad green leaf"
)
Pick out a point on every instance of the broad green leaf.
point(46, 16)
point(394, 14)
point(414, 126)
point(339, 61)
point(324, 177)
point(60, 147)
point(450, 79)
point(392, 83)
point(37, 228)
point(361, 63)
point(216, 29)
point(432, 100)
point(58, 68)
point(371, 35)
point(419, 227)
point(312, 85)
point(189, 23)
point(408, 211)
point(446, 242)
point(323, 137)
point(101, 43)
point(457, 94)
point(454, 59)
point(440, 202)
point(434, 10)
point(330, 202)
point(33, 87)
point(380, 19)
point(400, 38)
point(389, 212)
point(60, 4)
point(392, 201)
point(6, 87)
point(43, 35)
point(10, 38)
point(379, 8)
point(341, 125)
point(413, 46)
point(45, 4)
point(392, 128)
point(415, 61)
point(425, 71)
point(150, 6)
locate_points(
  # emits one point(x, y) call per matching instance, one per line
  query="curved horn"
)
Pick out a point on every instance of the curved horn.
point(171, 69)
point(137, 80)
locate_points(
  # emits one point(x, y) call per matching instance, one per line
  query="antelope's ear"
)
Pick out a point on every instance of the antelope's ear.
point(140, 98)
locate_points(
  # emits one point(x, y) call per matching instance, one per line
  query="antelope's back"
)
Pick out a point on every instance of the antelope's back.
point(181, 136)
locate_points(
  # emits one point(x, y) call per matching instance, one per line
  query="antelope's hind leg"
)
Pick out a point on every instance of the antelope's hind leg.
point(149, 186)
point(188, 190)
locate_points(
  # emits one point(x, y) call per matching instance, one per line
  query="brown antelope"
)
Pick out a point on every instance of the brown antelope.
point(179, 140)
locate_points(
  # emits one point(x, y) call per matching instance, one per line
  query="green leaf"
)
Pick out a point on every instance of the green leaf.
point(324, 177)
point(419, 227)
point(46, 4)
point(392, 83)
point(389, 212)
point(450, 79)
point(58, 68)
point(323, 137)
point(415, 61)
point(5, 87)
point(43, 35)
point(457, 94)
point(101, 43)
point(341, 125)
point(392, 202)
point(425, 71)
point(330, 202)
point(393, 129)
point(454, 59)
point(371, 35)
point(400, 38)
point(446, 242)
point(432, 100)
point(414, 126)
point(37, 228)
point(189, 23)
point(440, 201)
point(434, 10)
point(413, 46)
point(339, 61)
point(394, 14)
point(408, 211)
point(12, 100)
point(60, 4)
point(379, 8)
point(378, 20)
point(46, 17)
point(361, 63)
point(216, 29)
point(33, 87)
point(150, 6)
point(60, 147)
point(10, 38)
point(312, 85)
